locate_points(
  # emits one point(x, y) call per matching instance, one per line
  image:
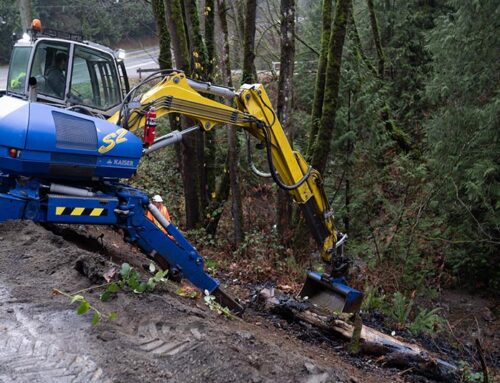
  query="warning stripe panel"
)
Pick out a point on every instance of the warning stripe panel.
point(81, 211)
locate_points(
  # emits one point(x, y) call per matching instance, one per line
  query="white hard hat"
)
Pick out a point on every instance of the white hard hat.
point(157, 198)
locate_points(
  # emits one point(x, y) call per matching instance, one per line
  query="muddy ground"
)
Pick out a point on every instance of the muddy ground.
point(157, 337)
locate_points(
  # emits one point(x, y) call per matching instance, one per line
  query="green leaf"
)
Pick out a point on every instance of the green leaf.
point(125, 270)
point(158, 277)
point(95, 318)
point(112, 315)
point(140, 288)
point(113, 288)
point(133, 281)
point(106, 296)
point(83, 308)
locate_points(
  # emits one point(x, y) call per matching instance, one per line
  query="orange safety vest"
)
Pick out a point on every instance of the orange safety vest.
point(164, 212)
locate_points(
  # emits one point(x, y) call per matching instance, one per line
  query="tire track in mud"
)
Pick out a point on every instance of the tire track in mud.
point(160, 338)
point(27, 355)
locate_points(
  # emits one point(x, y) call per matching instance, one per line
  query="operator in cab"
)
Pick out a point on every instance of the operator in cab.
point(56, 75)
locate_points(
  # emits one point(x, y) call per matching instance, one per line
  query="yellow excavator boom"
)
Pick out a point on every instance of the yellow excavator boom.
point(175, 93)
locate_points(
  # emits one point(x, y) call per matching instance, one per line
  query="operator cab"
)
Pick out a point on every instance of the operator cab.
point(68, 71)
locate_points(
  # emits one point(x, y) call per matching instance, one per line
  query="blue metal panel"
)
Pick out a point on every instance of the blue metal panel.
point(90, 210)
point(14, 116)
point(11, 207)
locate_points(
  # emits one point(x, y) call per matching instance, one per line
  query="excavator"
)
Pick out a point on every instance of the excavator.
point(65, 156)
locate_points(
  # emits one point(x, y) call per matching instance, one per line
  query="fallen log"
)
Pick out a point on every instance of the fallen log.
point(393, 352)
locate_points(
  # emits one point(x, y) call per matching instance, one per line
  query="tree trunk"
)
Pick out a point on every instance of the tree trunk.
point(198, 50)
point(357, 44)
point(376, 38)
point(233, 148)
point(319, 90)
point(249, 41)
point(210, 137)
point(25, 13)
point(199, 65)
point(210, 37)
point(348, 167)
point(285, 103)
point(175, 22)
point(238, 15)
point(165, 56)
point(321, 147)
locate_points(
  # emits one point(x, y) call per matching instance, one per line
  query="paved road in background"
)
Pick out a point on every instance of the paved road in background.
point(146, 58)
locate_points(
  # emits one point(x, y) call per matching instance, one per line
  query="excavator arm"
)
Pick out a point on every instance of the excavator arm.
point(175, 93)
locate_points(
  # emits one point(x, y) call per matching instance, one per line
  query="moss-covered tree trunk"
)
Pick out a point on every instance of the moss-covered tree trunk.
point(321, 147)
point(319, 90)
point(209, 13)
point(249, 43)
point(165, 56)
point(230, 179)
point(199, 66)
point(210, 137)
point(236, 12)
point(175, 23)
point(285, 104)
point(376, 38)
point(354, 35)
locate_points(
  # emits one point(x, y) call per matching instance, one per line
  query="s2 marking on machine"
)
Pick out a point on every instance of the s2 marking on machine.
point(63, 162)
point(113, 139)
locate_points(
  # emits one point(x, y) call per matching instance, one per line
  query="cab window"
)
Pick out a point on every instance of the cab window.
point(94, 81)
point(18, 68)
point(50, 67)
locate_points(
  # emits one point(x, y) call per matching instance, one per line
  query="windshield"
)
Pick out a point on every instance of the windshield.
point(95, 80)
point(18, 68)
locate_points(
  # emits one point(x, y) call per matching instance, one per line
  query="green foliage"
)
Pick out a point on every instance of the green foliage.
point(107, 22)
point(463, 136)
point(258, 245)
point(426, 321)
point(468, 375)
point(372, 300)
point(217, 307)
point(9, 23)
point(129, 279)
point(400, 308)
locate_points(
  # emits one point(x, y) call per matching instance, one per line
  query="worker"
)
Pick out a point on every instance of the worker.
point(56, 77)
point(158, 202)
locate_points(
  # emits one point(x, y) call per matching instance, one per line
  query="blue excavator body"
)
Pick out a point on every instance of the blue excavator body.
point(46, 141)
point(64, 167)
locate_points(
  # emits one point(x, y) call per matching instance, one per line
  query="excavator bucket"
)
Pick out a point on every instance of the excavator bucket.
point(331, 294)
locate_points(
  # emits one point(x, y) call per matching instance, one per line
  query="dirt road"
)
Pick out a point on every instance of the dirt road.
point(157, 337)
